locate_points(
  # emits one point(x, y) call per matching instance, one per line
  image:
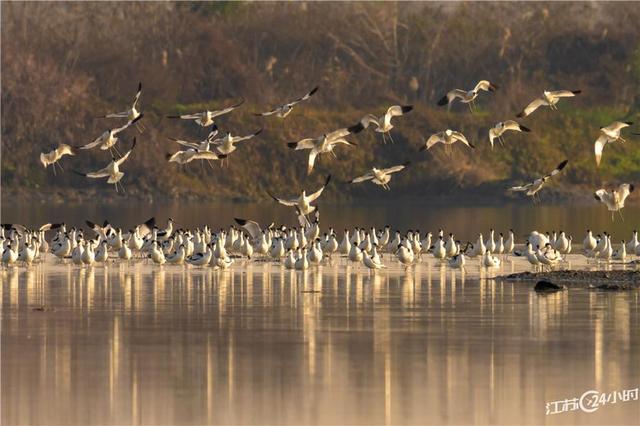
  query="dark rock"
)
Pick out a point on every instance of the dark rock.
point(543, 286)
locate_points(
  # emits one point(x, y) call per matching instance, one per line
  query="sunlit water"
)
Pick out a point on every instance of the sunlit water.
point(261, 345)
point(464, 221)
point(258, 344)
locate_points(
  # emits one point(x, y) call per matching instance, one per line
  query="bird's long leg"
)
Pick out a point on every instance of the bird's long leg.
point(621, 217)
point(54, 169)
point(116, 150)
point(210, 163)
point(391, 137)
point(501, 141)
point(384, 141)
point(116, 185)
point(469, 105)
point(332, 153)
point(621, 139)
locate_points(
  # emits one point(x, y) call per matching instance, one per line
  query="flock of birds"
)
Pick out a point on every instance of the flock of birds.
point(296, 248)
point(217, 147)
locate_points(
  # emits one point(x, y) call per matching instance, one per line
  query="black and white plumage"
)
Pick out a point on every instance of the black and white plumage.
point(383, 123)
point(112, 170)
point(206, 118)
point(609, 134)
point(497, 131)
point(284, 110)
point(202, 145)
point(226, 145)
point(303, 202)
point(53, 156)
point(549, 99)
point(131, 113)
point(531, 189)
point(326, 143)
point(467, 96)
point(614, 199)
point(188, 155)
point(380, 176)
point(447, 138)
point(109, 138)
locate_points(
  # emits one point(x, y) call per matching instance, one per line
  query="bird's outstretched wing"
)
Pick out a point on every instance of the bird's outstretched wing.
point(290, 202)
point(564, 93)
point(451, 96)
point(244, 138)
point(363, 178)
point(433, 139)
point(251, 227)
point(226, 110)
point(315, 195)
point(534, 105)
point(598, 147)
point(557, 170)
point(305, 97)
point(396, 169)
point(126, 155)
point(486, 85)
point(137, 97)
point(307, 143)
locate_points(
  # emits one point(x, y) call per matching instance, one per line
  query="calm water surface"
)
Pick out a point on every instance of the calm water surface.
point(144, 345)
point(172, 345)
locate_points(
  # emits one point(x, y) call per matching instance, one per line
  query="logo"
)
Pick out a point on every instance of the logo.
point(591, 401)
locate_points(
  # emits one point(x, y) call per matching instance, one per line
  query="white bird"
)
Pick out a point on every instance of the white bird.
point(609, 134)
point(102, 252)
point(112, 171)
point(124, 252)
point(621, 253)
point(53, 156)
point(614, 199)
point(531, 189)
point(633, 243)
point(326, 143)
point(9, 255)
point(226, 145)
point(380, 176)
point(383, 123)
point(589, 242)
point(284, 110)
point(458, 261)
point(131, 113)
point(303, 202)
point(549, 99)
point(370, 263)
point(467, 96)
point(530, 255)
point(496, 131)
point(109, 138)
point(191, 154)
point(490, 261)
point(447, 138)
point(206, 118)
point(204, 144)
point(88, 256)
point(405, 256)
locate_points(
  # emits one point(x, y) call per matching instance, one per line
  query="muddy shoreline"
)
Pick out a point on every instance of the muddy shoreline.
point(598, 280)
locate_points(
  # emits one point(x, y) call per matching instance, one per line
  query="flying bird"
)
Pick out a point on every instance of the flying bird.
point(206, 118)
point(303, 202)
point(496, 131)
point(283, 110)
point(202, 145)
point(226, 145)
point(383, 123)
point(609, 134)
point(614, 199)
point(531, 189)
point(549, 99)
point(131, 113)
point(52, 157)
point(112, 171)
point(109, 138)
point(467, 97)
point(447, 137)
point(380, 176)
point(191, 154)
point(326, 143)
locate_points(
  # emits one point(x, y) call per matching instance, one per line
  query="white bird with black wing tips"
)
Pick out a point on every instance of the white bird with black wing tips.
point(496, 131)
point(203, 145)
point(380, 176)
point(111, 171)
point(549, 99)
point(206, 118)
point(467, 96)
point(303, 202)
point(383, 123)
point(52, 157)
point(131, 113)
point(447, 138)
point(191, 154)
point(609, 134)
point(326, 143)
point(109, 138)
point(226, 145)
point(614, 199)
point(283, 110)
point(531, 189)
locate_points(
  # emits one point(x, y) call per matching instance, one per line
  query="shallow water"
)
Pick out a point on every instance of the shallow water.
point(465, 221)
point(173, 345)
